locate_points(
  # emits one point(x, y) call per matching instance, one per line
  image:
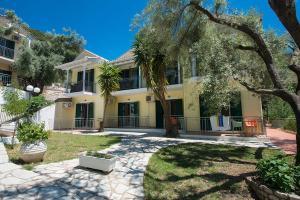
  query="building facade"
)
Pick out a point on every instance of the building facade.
point(135, 106)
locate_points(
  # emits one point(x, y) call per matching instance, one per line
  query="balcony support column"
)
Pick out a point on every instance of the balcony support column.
point(67, 81)
point(83, 79)
point(194, 65)
point(178, 71)
point(140, 77)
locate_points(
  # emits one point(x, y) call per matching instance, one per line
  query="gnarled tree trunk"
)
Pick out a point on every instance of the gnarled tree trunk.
point(171, 129)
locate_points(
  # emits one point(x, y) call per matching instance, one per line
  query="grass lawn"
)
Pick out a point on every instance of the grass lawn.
point(64, 146)
point(202, 171)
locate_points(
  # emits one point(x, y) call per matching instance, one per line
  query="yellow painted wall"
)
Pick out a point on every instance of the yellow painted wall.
point(189, 93)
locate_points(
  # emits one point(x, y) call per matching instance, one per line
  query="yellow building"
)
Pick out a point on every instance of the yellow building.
point(134, 106)
point(8, 50)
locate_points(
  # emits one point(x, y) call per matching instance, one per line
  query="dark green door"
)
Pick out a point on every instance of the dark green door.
point(84, 115)
point(236, 105)
point(89, 80)
point(176, 107)
point(159, 115)
point(128, 114)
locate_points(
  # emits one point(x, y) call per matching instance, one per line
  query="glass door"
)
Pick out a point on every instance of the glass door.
point(84, 116)
point(128, 115)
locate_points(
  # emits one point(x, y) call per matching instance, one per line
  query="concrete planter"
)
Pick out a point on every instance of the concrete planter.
point(33, 152)
point(263, 192)
point(102, 164)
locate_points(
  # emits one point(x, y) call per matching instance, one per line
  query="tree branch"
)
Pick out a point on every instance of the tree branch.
point(263, 51)
point(296, 69)
point(249, 48)
point(286, 12)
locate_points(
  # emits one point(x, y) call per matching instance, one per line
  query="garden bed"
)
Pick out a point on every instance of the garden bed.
point(265, 193)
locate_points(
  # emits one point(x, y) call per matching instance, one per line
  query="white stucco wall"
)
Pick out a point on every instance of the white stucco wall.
point(46, 116)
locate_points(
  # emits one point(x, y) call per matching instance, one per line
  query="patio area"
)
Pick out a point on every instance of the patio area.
point(284, 140)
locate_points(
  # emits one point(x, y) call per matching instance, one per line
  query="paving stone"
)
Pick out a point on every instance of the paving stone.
point(23, 174)
point(11, 181)
point(51, 192)
point(8, 167)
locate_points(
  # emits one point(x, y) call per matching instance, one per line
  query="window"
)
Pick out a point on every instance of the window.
point(129, 79)
point(7, 48)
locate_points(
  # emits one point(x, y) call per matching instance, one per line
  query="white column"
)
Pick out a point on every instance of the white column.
point(67, 81)
point(83, 79)
point(193, 65)
point(140, 77)
point(179, 72)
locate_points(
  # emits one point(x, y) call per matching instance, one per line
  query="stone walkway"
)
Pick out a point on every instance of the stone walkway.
point(3, 154)
point(65, 180)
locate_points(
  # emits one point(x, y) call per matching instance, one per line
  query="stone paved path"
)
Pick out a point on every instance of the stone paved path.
point(65, 180)
point(3, 154)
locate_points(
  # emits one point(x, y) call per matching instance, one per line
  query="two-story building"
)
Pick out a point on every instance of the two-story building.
point(9, 45)
point(135, 106)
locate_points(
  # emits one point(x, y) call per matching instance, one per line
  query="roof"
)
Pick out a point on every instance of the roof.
point(84, 58)
point(126, 57)
point(87, 53)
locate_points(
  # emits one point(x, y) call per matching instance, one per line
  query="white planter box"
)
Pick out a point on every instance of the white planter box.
point(102, 164)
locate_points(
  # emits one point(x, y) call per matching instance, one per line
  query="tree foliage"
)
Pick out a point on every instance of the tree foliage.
point(35, 64)
point(108, 81)
point(259, 60)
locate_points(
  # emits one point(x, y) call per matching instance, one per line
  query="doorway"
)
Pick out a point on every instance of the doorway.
point(128, 115)
point(84, 116)
point(176, 108)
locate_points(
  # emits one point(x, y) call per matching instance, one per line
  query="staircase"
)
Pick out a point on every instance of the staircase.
point(6, 129)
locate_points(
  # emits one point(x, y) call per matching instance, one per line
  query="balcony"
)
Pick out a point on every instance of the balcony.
point(7, 52)
point(5, 79)
point(129, 83)
point(80, 88)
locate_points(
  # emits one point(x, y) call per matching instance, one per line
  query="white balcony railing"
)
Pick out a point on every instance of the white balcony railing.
point(5, 79)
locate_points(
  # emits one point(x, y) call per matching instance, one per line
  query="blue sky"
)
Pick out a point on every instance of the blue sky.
point(105, 24)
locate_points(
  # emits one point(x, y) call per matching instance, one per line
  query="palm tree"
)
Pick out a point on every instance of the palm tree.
point(153, 66)
point(108, 81)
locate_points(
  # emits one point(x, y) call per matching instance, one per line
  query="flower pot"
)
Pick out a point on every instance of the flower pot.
point(102, 164)
point(33, 152)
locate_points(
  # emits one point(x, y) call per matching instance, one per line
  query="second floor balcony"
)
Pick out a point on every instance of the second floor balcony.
point(129, 83)
point(81, 87)
point(7, 52)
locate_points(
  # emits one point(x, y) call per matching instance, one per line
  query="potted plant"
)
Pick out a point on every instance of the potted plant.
point(33, 138)
point(98, 161)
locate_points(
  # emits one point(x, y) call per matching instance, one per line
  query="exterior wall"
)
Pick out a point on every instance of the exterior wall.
point(191, 105)
point(147, 110)
point(189, 92)
point(251, 104)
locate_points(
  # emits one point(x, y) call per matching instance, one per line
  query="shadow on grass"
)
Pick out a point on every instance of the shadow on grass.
point(199, 171)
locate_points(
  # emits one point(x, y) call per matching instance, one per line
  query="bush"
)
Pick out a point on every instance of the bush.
point(278, 174)
point(290, 124)
point(297, 178)
point(35, 104)
point(29, 132)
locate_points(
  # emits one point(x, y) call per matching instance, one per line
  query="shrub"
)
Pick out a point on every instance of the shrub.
point(29, 132)
point(35, 104)
point(98, 155)
point(297, 178)
point(277, 173)
point(290, 124)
